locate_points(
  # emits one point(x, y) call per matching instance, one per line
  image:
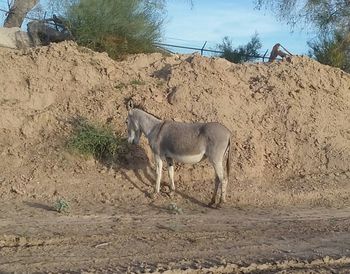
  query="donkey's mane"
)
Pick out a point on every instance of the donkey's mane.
point(140, 106)
point(143, 109)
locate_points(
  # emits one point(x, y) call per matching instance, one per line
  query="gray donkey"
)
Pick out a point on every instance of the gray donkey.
point(184, 143)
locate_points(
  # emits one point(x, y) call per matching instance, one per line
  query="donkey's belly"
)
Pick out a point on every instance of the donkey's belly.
point(186, 159)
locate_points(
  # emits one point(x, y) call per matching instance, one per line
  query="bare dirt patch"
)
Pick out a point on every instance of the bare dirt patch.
point(150, 239)
point(287, 200)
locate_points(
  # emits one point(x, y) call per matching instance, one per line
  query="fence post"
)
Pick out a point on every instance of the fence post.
point(265, 55)
point(202, 49)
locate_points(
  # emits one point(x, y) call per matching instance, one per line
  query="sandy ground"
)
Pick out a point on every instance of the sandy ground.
point(288, 200)
point(150, 239)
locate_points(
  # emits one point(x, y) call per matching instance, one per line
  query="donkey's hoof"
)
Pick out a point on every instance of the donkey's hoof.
point(154, 195)
point(212, 204)
point(220, 205)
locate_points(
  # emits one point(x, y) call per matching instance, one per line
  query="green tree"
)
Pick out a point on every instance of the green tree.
point(333, 50)
point(243, 53)
point(322, 14)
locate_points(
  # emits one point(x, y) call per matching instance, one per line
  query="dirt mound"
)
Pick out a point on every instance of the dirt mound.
point(290, 124)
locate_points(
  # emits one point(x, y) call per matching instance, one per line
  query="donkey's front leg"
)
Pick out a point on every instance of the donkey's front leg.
point(171, 173)
point(159, 168)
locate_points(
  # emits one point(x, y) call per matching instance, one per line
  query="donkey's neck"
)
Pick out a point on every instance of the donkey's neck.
point(147, 122)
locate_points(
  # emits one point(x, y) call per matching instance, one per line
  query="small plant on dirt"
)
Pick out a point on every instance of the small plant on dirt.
point(160, 84)
point(137, 82)
point(98, 141)
point(120, 86)
point(174, 209)
point(61, 206)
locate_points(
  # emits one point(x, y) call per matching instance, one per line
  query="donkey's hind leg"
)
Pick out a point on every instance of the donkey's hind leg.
point(213, 199)
point(223, 191)
point(219, 178)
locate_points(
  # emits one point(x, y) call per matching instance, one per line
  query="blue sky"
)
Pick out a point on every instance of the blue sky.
point(211, 20)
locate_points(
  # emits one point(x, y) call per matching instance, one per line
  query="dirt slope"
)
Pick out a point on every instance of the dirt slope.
point(291, 142)
point(290, 122)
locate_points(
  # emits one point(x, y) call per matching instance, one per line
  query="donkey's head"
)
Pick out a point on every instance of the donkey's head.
point(134, 130)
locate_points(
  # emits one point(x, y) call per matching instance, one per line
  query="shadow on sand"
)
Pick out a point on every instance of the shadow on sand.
point(40, 206)
point(138, 162)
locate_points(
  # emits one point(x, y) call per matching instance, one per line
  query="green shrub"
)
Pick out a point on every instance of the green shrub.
point(174, 209)
point(61, 206)
point(115, 26)
point(244, 53)
point(97, 141)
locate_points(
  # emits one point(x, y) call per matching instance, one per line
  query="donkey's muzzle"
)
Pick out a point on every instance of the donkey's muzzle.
point(132, 141)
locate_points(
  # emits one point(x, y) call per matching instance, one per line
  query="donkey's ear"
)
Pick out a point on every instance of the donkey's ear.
point(130, 104)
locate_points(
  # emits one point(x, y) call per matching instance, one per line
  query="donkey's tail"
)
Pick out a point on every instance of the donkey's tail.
point(228, 159)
